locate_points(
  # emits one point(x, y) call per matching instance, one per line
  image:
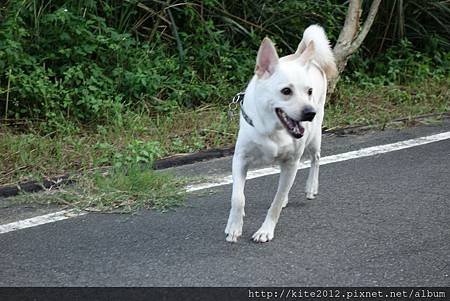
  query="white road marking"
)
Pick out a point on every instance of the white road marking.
point(226, 180)
point(364, 152)
point(40, 220)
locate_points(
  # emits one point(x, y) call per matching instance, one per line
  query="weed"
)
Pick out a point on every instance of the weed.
point(120, 190)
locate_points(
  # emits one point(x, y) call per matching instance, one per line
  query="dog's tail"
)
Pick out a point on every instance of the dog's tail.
point(323, 54)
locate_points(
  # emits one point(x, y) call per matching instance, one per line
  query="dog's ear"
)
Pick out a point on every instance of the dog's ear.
point(301, 47)
point(305, 53)
point(267, 59)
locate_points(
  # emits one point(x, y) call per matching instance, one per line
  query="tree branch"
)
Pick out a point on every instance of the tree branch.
point(351, 37)
point(366, 26)
point(351, 26)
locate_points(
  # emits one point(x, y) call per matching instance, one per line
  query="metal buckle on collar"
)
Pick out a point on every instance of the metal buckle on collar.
point(239, 99)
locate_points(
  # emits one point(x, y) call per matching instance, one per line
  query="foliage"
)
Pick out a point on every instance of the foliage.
point(67, 64)
point(30, 155)
point(426, 24)
point(375, 103)
point(120, 190)
point(401, 64)
point(63, 63)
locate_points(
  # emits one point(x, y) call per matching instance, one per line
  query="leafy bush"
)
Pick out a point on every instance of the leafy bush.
point(401, 64)
point(72, 63)
point(426, 24)
point(65, 63)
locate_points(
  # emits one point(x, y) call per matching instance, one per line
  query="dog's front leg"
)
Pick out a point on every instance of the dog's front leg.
point(236, 218)
point(287, 176)
point(312, 184)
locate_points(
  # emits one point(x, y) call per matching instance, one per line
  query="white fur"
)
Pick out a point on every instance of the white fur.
point(323, 54)
point(268, 140)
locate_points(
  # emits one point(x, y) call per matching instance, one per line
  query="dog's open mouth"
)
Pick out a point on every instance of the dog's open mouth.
point(292, 126)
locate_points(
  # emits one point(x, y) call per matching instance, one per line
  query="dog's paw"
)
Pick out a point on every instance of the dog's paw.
point(264, 234)
point(233, 236)
point(285, 202)
point(233, 230)
point(310, 196)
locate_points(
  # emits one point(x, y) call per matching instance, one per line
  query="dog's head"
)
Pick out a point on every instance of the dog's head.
point(285, 85)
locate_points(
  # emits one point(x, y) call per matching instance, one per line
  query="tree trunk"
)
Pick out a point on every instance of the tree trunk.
point(351, 36)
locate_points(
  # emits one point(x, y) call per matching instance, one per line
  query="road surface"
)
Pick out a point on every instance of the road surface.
point(380, 220)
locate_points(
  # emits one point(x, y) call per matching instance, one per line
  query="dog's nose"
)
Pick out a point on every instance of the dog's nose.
point(308, 114)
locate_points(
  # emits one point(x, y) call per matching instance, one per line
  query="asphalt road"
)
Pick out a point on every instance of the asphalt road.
point(378, 221)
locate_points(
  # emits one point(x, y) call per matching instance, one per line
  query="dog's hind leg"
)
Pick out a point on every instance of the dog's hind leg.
point(287, 176)
point(233, 229)
point(312, 183)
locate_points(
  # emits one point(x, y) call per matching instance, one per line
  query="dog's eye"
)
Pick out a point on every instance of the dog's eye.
point(309, 91)
point(286, 91)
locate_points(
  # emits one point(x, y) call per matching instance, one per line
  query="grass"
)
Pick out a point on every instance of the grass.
point(380, 104)
point(140, 139)
point(120, 190)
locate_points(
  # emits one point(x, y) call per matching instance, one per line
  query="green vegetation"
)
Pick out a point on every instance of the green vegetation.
point(90, 84)
point(119, 190)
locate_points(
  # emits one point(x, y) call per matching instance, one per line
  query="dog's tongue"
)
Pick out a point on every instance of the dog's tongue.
point(293, 127)
point(298, 129)
point(302, 129)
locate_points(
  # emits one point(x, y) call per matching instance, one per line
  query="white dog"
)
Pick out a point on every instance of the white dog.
point(281, 118)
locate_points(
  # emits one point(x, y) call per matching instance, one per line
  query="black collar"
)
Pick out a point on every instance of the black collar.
point(240, 98)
